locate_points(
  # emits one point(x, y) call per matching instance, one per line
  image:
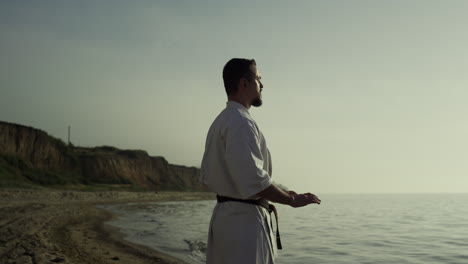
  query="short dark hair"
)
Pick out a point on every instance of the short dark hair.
point(233, 71)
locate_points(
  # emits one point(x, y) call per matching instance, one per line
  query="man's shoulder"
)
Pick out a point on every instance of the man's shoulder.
point(235, 117)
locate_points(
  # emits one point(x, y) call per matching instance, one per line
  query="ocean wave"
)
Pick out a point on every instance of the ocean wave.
point(197, 250)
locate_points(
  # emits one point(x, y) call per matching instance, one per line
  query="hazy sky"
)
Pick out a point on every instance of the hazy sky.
point(359, 96)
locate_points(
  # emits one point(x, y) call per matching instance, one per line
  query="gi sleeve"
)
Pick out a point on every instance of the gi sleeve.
point(244, 158)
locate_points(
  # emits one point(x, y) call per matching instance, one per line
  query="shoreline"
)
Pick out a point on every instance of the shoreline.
point(53, 226)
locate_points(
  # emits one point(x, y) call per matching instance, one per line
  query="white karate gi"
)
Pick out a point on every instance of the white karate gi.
point(237, 164)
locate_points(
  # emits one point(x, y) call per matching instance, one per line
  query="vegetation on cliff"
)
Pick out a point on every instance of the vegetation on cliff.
point(31, 158)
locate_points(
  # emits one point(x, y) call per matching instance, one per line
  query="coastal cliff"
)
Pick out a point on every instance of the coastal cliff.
point(31, 156)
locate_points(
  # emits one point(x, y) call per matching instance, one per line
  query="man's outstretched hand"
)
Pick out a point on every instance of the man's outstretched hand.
point(276, 194)
point(299, 200)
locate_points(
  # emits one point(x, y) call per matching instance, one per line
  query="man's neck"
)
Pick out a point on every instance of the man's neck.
point(240, 101)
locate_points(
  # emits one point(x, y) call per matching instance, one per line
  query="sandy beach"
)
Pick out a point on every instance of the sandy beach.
point(53, 226)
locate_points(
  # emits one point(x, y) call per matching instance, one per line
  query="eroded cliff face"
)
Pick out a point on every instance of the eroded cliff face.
point(37, 150)
point(32, 145)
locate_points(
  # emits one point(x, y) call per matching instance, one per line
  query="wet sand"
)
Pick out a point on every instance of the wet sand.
point(51, 226)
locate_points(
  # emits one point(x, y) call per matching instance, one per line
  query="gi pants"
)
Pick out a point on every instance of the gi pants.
point(240, 233)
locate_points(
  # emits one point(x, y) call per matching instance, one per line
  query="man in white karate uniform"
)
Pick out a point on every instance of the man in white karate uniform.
point(237, 167)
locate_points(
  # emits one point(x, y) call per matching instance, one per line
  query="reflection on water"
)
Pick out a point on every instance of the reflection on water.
point(393, 228)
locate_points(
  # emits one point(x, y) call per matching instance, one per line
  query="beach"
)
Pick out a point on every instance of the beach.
point(60, 226)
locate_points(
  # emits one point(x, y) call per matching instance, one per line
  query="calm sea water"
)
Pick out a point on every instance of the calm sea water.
point(377, 228)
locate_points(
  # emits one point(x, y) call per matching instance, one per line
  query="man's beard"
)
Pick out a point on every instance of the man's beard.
point(257, 102)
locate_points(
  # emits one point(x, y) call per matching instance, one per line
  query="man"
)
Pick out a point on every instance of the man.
point(237, 167)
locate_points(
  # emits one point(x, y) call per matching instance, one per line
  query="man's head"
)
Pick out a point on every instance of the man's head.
point(242, 82)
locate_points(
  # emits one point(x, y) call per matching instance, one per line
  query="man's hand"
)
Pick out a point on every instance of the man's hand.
point(276, 194)
point(299, 200)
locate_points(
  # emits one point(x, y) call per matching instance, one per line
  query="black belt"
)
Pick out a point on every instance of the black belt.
point(260, 202)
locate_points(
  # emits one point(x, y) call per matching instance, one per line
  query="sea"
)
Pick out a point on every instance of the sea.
point(345, 228)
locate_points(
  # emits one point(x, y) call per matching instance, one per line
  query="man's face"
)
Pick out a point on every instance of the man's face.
point(255, 87)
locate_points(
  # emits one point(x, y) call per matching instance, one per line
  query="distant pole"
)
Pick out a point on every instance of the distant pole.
point(68, 135)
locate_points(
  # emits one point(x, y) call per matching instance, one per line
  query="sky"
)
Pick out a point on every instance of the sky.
point(359, 96)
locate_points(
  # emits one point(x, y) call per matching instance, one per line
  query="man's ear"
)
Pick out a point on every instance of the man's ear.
point(241, 84)
point(244, 82)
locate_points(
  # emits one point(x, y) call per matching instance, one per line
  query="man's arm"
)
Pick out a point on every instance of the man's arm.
point(275, 194)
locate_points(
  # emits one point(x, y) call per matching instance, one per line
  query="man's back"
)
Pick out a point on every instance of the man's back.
point(236, 162)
